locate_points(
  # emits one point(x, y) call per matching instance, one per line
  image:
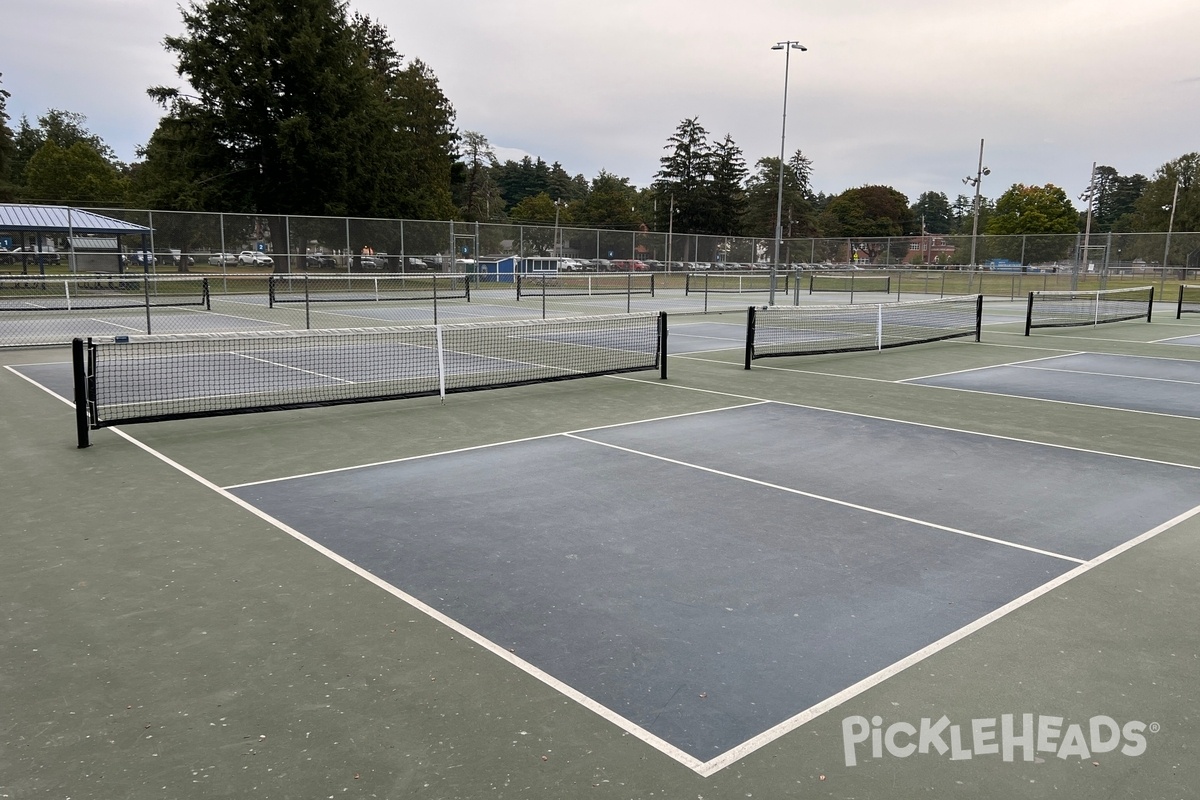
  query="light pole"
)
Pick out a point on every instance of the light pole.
point(787, 48)
point(1167, 250)
point(557, 242)
point(670, 230)
point(975, 181)
point(1087, 234)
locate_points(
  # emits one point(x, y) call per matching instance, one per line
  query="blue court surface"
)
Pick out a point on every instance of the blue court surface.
point(703, 579)
point(1193, 341)
point(1134, 383)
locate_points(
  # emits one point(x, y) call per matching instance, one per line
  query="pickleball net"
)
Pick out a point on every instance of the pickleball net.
point(87, 292)
point(853, 282)
point(1067, 309)
point(813, 330)
point(736, 282)
point(562, 285)
point(1189, 300)
point(366, 288)
point(127, 379)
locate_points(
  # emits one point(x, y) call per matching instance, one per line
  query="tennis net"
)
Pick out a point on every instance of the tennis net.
point(366, 288)
point(1189, 300)
point(812, 330)
point(584, 285)
point(127, 379)
point(853, 282)
point(82, 292)
point(736, 282)
point(1065, 309)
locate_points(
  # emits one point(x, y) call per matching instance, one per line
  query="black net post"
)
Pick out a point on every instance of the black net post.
point(79, 371)
point(307, 306)
point(1179, 307)
point(1029, 315)
point(1150, 306)
point(978, 317)
point(146, 286)
point(749, 336)
point(662, 345)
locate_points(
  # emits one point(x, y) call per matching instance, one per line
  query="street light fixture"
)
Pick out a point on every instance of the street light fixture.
point(975, 181)
point(787, 48)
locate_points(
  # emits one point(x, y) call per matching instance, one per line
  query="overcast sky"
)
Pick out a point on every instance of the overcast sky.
point(897, 92)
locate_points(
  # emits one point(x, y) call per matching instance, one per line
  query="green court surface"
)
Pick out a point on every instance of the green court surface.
point(165, 637)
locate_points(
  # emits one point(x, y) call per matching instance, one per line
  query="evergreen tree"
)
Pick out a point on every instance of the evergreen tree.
point(728, 195)
point(299, 109)
point(685, 178)
point(8, 149)
point(933, 213)
point(799, 204)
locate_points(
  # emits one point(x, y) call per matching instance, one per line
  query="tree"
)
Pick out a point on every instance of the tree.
point(799, 208)
point(299, 109)
point(1113, 196)
point(77, 175)
point(868, 216)
point(610, 203)
point(1027, 210)
point(932, 210)
point(64, 129)
point(541, 211)
point(1152, 211)
point(728, 195)
point(8, 149)
point(480, 196)
point(684, 181)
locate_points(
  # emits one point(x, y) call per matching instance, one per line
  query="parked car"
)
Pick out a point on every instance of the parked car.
point(223, 259)
point(320, 261)
point(28, 254)
point(253, 258)
point(141, 259)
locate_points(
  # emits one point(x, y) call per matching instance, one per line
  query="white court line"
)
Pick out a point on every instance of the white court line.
point(930, 425)
point(766, 737)
point(115, 324)
point(831, 500)
point(486, 446)
point(714, 765)
point(289, 366)
point(990, 366)
point(630, 727)
point(1076, 403)
point(1104, 374)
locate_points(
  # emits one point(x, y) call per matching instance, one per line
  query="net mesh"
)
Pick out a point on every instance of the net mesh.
point(366, 288)
point(849, 283)
point(736, 282)
point(1189, 300)
point(146, 378)
point(38, 293)
point(584, 285)
point(811, 330)
point(1071, 309)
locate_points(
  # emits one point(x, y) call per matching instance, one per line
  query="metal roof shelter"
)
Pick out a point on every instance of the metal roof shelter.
point(62, 219)
point(73, 223)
